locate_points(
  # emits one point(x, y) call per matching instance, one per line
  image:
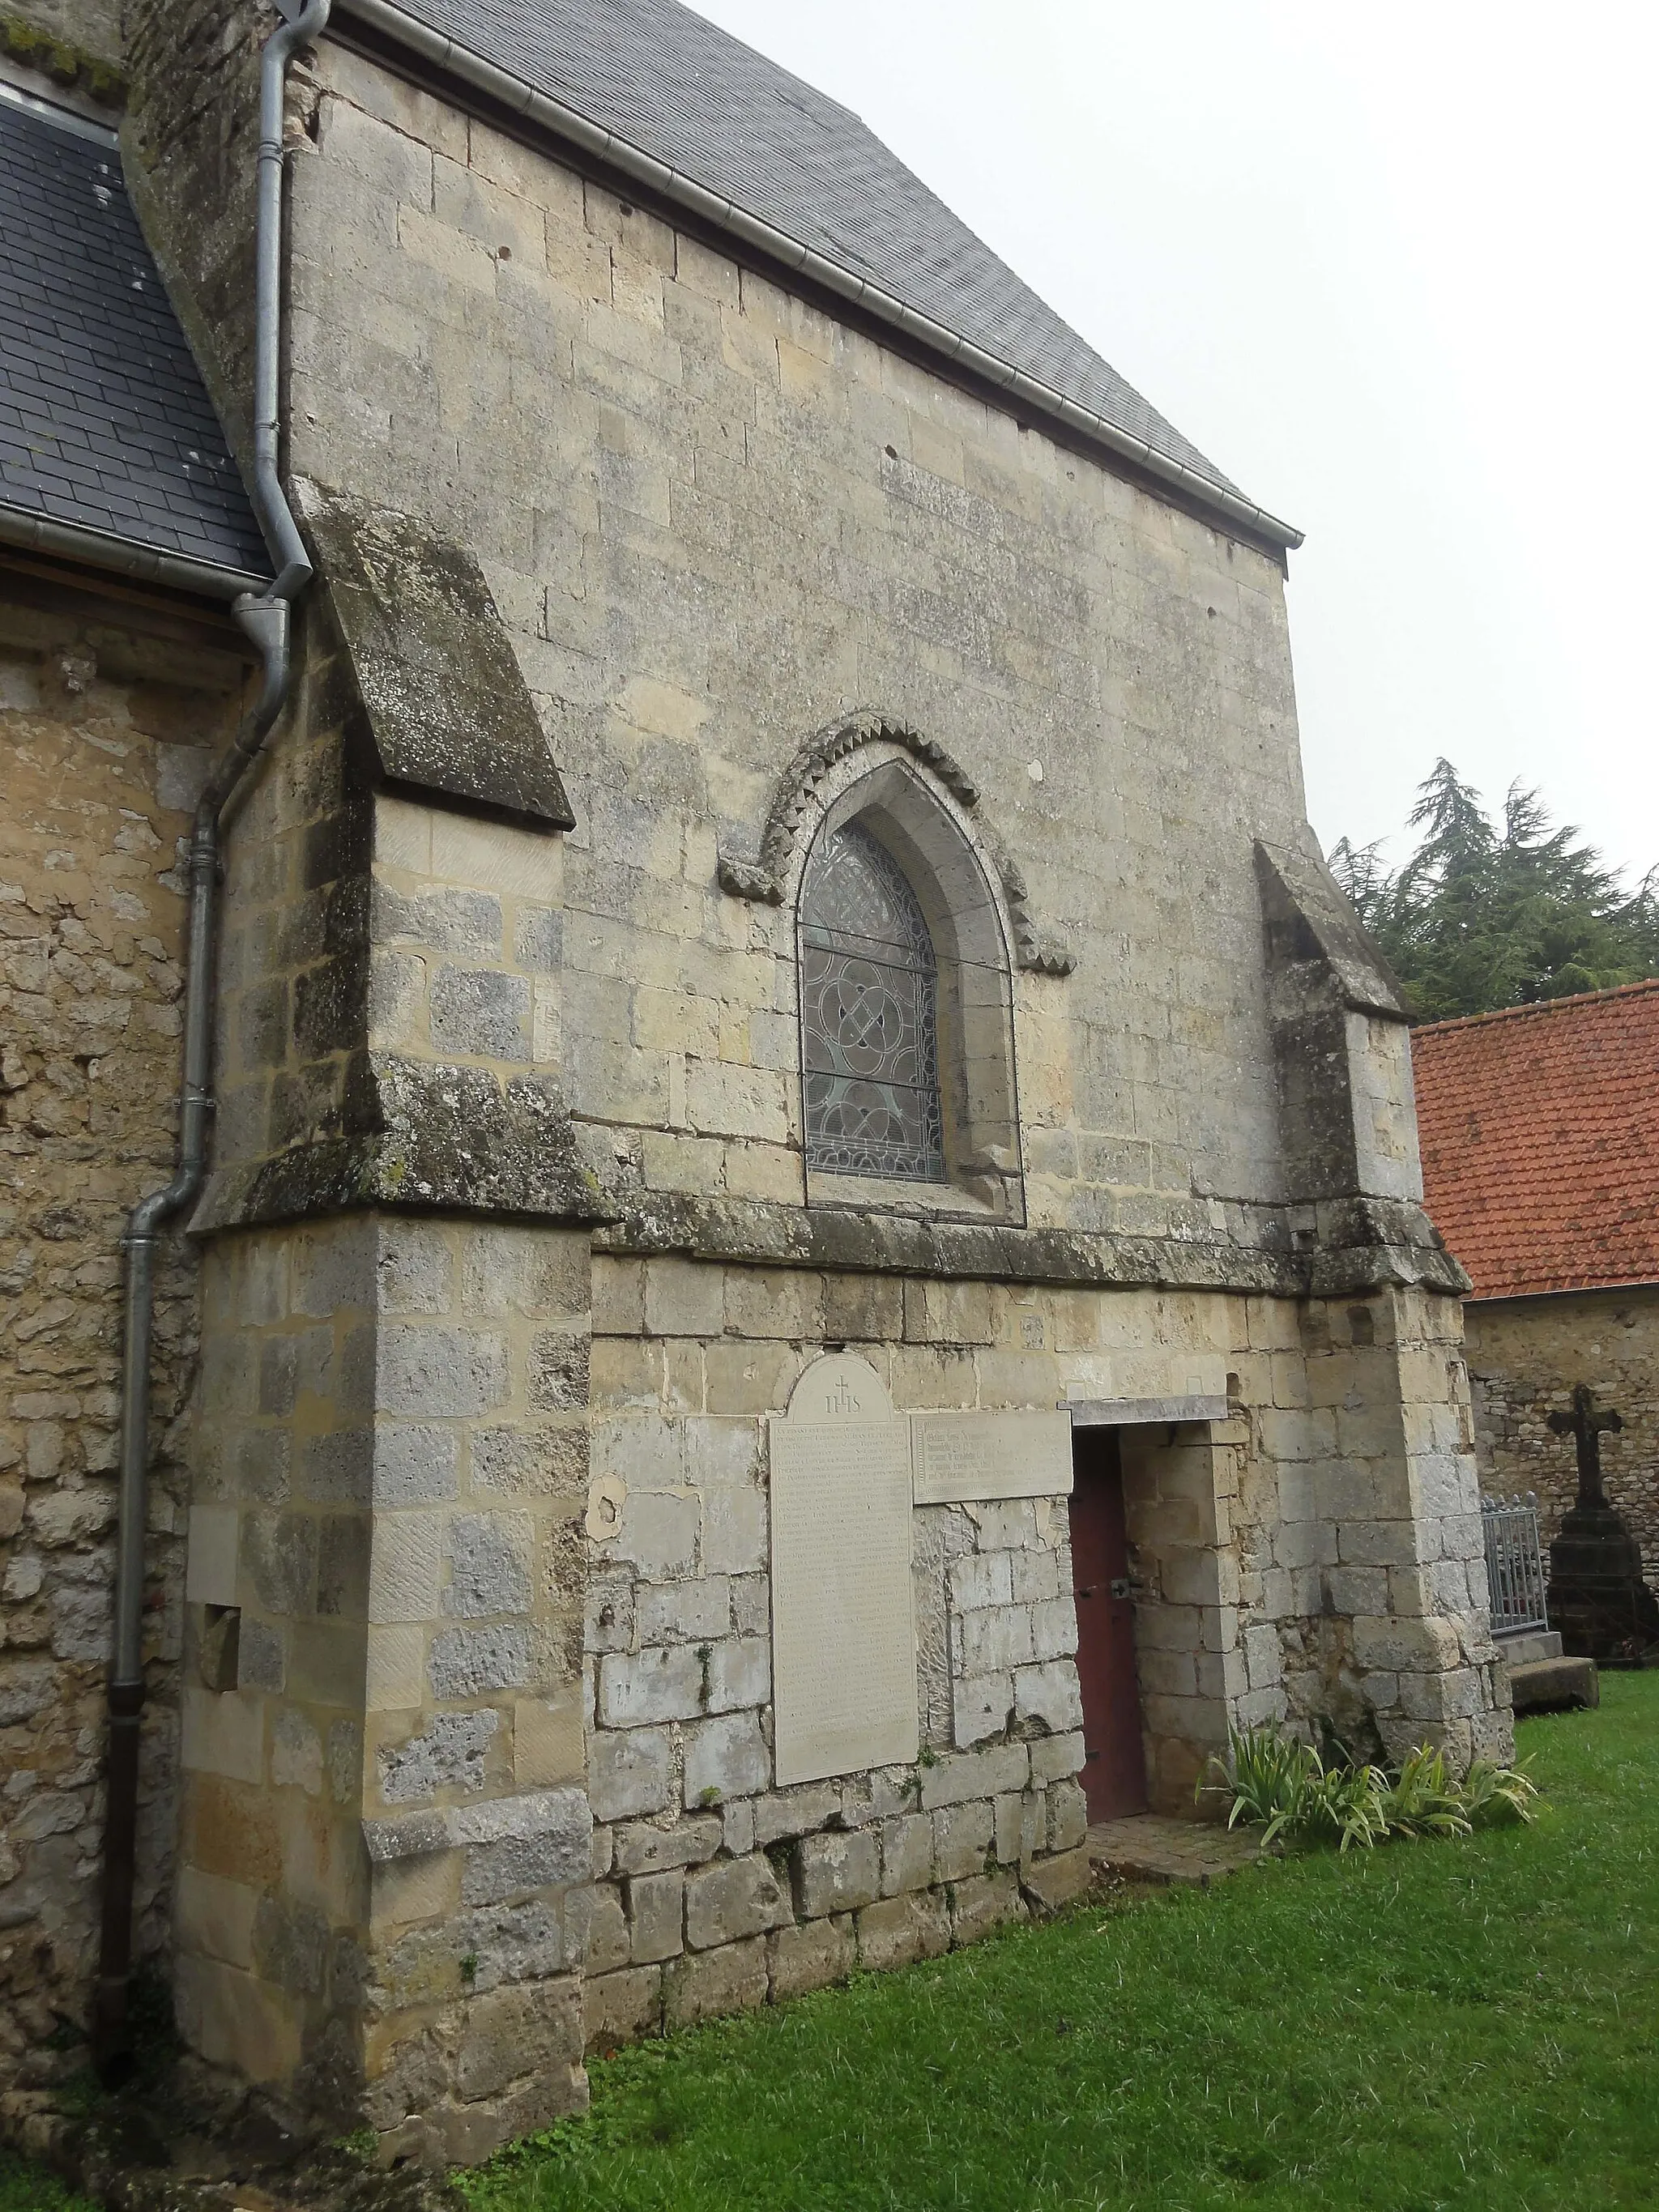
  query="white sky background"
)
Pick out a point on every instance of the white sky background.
point(1393, 270)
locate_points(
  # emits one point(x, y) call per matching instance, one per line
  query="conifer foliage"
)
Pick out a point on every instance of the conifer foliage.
point(1486, 915)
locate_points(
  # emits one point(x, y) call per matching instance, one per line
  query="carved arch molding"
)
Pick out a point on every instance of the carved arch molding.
point(795, 808)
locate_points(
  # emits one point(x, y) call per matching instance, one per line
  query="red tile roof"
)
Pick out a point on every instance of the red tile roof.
point(1540, 1130)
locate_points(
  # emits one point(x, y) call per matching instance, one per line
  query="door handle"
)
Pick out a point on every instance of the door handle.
point(1089, 1592)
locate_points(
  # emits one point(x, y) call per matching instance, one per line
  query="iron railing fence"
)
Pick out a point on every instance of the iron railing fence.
point(1514, 1563)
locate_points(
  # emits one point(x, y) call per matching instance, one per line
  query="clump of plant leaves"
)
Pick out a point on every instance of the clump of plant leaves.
point(1423, 1799)
point(1493, 1793)
point(1290, 1789)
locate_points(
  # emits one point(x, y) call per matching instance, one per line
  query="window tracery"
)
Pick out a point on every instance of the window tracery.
point(869, 1014)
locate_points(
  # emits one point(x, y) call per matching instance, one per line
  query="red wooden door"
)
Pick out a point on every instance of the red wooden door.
point(1113, 1759)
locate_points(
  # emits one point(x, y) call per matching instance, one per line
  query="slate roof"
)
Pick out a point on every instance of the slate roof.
point(104, 420)
point(1540, 1133)
point(680, 90)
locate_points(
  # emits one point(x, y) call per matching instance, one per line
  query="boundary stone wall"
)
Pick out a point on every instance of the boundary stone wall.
point(1525, 1355)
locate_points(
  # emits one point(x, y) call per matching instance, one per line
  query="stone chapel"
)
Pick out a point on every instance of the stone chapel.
point(806, 1265)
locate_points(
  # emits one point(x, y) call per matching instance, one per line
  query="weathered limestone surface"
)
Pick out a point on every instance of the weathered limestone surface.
point(508, 1251)
point(383, 1815)
point(688, 1363)
point(703, 509)
point(1359, 1578)
point(105, 730)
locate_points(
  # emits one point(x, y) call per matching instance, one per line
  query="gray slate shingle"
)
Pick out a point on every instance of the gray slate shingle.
point(680, 90)
point(104, 419)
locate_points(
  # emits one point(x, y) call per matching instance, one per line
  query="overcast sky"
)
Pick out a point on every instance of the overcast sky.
point(1393, 271)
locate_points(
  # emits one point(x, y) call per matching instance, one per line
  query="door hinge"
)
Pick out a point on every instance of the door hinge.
point(1119, 1586)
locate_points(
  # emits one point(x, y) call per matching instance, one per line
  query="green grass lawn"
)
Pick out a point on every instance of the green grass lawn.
point(1469, 2024)
point(1472, 2023)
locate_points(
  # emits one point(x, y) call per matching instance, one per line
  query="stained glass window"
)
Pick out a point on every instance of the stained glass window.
point(869, 990)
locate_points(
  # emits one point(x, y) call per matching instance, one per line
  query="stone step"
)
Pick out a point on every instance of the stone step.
point(1528, 1644)
point(1150, 1847)
point(1546, 1684)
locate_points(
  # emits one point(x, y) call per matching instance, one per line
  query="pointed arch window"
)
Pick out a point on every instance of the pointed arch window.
point(869, 1014)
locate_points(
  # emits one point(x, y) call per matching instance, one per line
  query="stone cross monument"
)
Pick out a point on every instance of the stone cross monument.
point(1597, 1598)
point(1587, 1426)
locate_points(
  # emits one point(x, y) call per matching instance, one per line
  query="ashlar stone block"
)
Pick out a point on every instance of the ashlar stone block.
point(1055, 1756)
point(907, 1853)
point(490, 1564)
point(812, 1958)
point(725, 1757)
point(980, 1706)
point(734, 1530)
point(984, 1902)
point(1069, 1816)
point(628, 1772)
point(448, 1755)
point(707, 1983)
point(517, 2030)
point(952, 1780)
point(795, 1812)
point(666, 1683)
point(466, 1662)
point(739, 1673)
point(596, 1929)
point(733, 1899)
point(1051, 1882)
point(655, 1916)
point(1049, 1694)
point(431, 1371)
point(1014, 1836)
point(642, 1850)
point(899, 1930)
point(688, 1611)
point(962, 1836)
point(836, 1872)
point(660, 1532)
point(619, 2006)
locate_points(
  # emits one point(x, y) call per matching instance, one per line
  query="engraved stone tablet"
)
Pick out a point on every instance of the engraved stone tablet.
point(843, 1625)
point(962, 1458)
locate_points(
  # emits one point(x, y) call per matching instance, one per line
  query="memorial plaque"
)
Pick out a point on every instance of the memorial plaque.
point(843, 1611)
point(960, 1458)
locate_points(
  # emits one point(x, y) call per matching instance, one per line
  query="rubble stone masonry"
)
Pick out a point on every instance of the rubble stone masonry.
point(1525, 1356)
point(104, 728)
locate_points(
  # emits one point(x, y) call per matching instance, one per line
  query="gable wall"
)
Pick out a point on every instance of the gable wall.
point(712, 520)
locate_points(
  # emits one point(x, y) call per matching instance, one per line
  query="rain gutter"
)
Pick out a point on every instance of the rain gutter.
point(264, 615)
point(124, 556)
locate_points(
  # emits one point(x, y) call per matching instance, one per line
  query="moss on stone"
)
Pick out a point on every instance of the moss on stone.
point(65, 64)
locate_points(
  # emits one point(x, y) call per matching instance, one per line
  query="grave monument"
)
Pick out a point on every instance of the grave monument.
point(1597, 1598)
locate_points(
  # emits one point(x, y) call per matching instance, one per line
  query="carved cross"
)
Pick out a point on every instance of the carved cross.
point(1586, 1427)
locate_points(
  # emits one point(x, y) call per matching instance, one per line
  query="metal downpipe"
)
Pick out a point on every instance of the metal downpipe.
point(264, 618)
